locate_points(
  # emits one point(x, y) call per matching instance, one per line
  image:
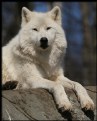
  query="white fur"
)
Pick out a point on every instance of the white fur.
point(25, 61)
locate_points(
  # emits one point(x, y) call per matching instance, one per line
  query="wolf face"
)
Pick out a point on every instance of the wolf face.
point(40, 30)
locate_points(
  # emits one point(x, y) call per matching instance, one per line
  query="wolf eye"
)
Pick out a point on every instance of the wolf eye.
point(48, 28)
point(34, 29)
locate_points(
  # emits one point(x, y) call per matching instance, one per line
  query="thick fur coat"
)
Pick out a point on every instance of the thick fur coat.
point(34, 57)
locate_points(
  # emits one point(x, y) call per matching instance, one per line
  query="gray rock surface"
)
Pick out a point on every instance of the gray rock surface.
point(38, 104)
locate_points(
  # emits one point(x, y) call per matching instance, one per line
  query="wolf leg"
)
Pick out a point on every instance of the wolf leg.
point(56, 89)
point(85, 101)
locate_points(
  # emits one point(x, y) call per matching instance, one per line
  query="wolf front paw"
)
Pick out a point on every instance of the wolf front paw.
point(87, 104)
point(66, 107)
point(66, 111)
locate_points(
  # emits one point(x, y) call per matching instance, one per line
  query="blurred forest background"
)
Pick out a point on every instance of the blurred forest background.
point(79, 24)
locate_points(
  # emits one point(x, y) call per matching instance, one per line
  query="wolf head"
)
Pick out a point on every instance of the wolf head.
point(41, 30)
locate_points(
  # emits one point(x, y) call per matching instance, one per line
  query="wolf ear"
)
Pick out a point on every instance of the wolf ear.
point(56, 14)
point(26, 15)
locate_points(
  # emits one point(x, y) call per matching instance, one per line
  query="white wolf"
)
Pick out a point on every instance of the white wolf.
point(35, 58)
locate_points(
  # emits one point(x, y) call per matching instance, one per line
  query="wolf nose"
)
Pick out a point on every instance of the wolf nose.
point(44, 40)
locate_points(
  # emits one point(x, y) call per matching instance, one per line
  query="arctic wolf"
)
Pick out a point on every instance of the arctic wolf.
point(34, 57)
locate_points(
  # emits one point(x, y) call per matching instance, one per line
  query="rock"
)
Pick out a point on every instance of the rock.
point(38, 104)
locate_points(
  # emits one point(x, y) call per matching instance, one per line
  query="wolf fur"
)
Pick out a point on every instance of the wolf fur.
point(34, 67)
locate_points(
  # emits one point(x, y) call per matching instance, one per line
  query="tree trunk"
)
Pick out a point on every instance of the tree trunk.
point(88, 54)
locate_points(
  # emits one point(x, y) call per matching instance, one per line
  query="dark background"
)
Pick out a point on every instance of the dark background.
point(79, 23)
